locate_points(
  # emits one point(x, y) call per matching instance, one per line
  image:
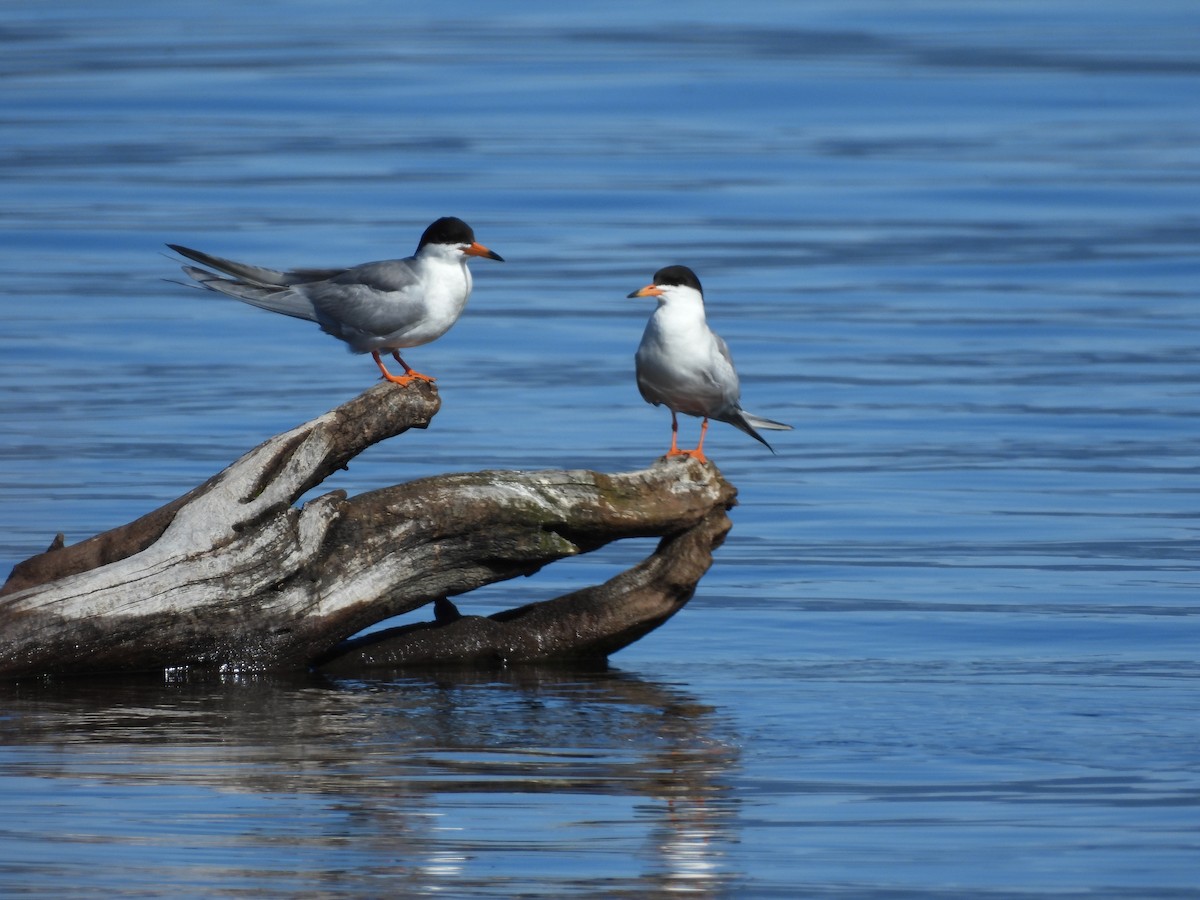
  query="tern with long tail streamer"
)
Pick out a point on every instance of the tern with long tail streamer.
point(377, 306)
point(684, 365)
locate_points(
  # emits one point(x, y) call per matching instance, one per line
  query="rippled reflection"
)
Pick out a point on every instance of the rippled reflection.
point(949, 646)
point(421, 781)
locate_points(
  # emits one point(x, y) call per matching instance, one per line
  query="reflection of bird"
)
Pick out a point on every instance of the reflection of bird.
point(684, 365)
point(375, 306)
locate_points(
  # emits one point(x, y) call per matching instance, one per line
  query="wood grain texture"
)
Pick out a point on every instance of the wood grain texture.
point(233, 574)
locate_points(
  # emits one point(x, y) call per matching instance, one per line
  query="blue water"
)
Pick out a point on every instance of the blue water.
point(950, 646)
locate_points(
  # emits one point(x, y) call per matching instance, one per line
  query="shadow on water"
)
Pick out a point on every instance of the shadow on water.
point(254, 781)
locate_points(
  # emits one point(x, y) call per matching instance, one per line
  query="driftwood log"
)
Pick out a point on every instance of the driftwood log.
point(233, 574)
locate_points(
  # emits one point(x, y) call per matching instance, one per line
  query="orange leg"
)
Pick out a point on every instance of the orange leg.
point(698, 453)
point(409, 376)
point(675, 451)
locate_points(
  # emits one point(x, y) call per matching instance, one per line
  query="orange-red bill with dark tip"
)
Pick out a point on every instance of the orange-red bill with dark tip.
point(477, 249)
point(649, 290)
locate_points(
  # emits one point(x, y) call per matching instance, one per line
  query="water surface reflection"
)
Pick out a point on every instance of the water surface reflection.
point(409, 784)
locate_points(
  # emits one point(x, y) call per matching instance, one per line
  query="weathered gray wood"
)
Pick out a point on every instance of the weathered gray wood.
point(233, 574)
point(586, 625)
point(270, 477)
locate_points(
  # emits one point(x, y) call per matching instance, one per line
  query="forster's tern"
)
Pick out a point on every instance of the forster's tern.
point(685, 366)
point(375, 306)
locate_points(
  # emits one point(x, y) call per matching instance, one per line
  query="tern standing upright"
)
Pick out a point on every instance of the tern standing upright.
point(388, 305)
point(684, 365)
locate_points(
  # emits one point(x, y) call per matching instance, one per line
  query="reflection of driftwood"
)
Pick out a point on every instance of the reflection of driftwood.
point(386, 757)
point(233, 574)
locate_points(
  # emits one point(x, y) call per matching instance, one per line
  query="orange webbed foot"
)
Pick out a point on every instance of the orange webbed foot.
point(409, 378)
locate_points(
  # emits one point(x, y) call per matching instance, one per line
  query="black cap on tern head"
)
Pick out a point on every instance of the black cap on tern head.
point(453, 232)
point(447, 230)
point(681, 275)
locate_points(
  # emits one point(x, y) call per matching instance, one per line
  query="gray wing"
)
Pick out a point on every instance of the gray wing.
point(267, 289)
point(694, 380)
point(725, 377)
point(255, 275)
point(645, 364)
point(646, 389)
point(388, 276)
point(723, 349)
point(368, 301)
point(738, 417)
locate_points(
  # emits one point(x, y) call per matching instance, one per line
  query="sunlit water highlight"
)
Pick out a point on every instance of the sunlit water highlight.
point(949, 648)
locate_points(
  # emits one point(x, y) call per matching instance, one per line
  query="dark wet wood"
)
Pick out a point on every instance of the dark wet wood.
point(587, 625)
